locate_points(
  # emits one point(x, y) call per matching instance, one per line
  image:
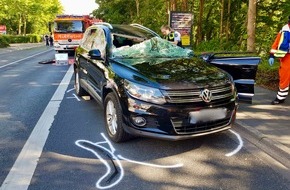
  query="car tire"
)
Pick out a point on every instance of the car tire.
point(80, 91)
point(113, 119)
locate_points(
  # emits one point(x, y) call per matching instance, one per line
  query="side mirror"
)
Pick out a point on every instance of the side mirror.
point(95, 54)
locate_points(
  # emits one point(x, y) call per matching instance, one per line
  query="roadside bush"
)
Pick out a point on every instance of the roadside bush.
point(3, 42)
point(267, 76)
point(215, 45)
point(29, 38)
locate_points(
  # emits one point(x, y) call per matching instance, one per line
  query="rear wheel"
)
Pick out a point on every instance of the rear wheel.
point(113, 119)
point(78, 88)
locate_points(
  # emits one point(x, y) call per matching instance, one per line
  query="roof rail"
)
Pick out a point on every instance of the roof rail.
point(104, 23)
point(144, 28)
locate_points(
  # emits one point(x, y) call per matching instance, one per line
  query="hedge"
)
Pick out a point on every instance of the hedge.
point(3, 42)
point(29, 38)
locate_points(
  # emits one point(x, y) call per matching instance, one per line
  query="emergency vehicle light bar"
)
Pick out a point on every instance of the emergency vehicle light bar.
point(70, 16)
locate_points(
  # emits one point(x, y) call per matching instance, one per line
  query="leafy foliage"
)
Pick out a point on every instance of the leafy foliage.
point(28, 16)
point(226, 22)
point(3, 42)
point(218, 25)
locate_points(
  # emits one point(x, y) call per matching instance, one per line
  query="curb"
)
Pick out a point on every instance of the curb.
point(272, 147)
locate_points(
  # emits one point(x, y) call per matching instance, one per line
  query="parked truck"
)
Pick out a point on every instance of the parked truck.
point(68, 31)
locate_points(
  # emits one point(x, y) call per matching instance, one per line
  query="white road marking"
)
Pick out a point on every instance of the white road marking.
point(241, 144)
point(22, 171)
point(149, 164)
point(111, 150)
point(24, 59)
point(76, 97)
point(70, 90)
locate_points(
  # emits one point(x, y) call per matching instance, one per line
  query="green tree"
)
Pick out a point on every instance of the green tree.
point(221, 24)
point(28, 16)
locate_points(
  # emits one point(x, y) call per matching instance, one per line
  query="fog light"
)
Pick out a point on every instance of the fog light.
point(139, 121)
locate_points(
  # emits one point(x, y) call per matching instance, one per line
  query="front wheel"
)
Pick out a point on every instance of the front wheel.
point(78, 88)
point(113, 119)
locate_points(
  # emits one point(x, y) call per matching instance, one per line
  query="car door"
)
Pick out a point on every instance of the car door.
point(97, 66)
point(82, 57)
point(242, 68)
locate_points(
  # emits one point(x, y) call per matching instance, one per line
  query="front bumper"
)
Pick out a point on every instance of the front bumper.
point(61, 47)
point(172, 121)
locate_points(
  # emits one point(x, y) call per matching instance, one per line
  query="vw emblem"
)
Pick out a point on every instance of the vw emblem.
point(206, 95)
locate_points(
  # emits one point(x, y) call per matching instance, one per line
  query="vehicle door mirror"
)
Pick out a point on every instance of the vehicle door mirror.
point(95, 54)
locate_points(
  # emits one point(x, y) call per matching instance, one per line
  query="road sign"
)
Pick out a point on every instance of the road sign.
point(2, 29)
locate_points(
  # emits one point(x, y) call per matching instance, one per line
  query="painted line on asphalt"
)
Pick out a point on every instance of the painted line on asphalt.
point(241, 144)
point(70, 90)
point(149, 164)
point(24, 59)
point(22, 171)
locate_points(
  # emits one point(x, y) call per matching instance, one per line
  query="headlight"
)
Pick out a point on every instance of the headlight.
point(144, 93)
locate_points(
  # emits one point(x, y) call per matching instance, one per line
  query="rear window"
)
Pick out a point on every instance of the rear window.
point(126, 35)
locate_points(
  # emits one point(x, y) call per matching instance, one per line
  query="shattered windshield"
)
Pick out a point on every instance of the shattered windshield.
point(153, 48)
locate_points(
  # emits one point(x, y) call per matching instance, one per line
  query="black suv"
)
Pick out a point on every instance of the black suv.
point(150, 87)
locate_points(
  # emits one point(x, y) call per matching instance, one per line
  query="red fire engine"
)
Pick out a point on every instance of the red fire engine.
point(68, 30)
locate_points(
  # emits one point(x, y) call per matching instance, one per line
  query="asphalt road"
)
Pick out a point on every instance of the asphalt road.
point(58, 141)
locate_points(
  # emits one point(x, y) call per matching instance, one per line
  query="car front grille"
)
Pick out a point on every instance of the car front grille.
point(184, 127)
point(193, 95)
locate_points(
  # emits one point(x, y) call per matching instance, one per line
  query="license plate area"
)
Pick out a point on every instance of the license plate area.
point(207, 115)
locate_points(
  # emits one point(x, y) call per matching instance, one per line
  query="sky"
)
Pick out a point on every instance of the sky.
point(79, 7)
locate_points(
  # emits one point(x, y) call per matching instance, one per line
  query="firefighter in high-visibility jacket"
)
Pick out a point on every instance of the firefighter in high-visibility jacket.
point(281, 50)
point(171, 35)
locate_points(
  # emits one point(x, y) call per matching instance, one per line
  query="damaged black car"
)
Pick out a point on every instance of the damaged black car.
point(150, 87)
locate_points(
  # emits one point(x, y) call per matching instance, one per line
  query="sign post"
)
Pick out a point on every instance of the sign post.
point(182, 22)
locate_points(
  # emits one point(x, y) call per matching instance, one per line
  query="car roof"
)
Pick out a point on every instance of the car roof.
point(128, 30)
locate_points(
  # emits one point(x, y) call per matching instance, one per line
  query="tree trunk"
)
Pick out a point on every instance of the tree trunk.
point(137, 8)
point(199, 24)
point(24, 25)
point(228, 21)
point(222, 19)
point(173, 5)
point(208, 33)
point(19, 24)
point(184, 5)
point(251, 26)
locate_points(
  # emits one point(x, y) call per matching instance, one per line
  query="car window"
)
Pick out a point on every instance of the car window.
point(88, 39)
point(100, 42)
point(95, 39)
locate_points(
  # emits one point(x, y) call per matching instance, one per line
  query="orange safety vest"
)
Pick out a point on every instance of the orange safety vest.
point(281, 45)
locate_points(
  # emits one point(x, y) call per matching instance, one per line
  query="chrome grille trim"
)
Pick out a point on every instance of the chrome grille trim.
point(222, 96)
point(193, 95)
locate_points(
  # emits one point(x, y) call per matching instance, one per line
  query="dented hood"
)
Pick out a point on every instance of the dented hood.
point(170, 73)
